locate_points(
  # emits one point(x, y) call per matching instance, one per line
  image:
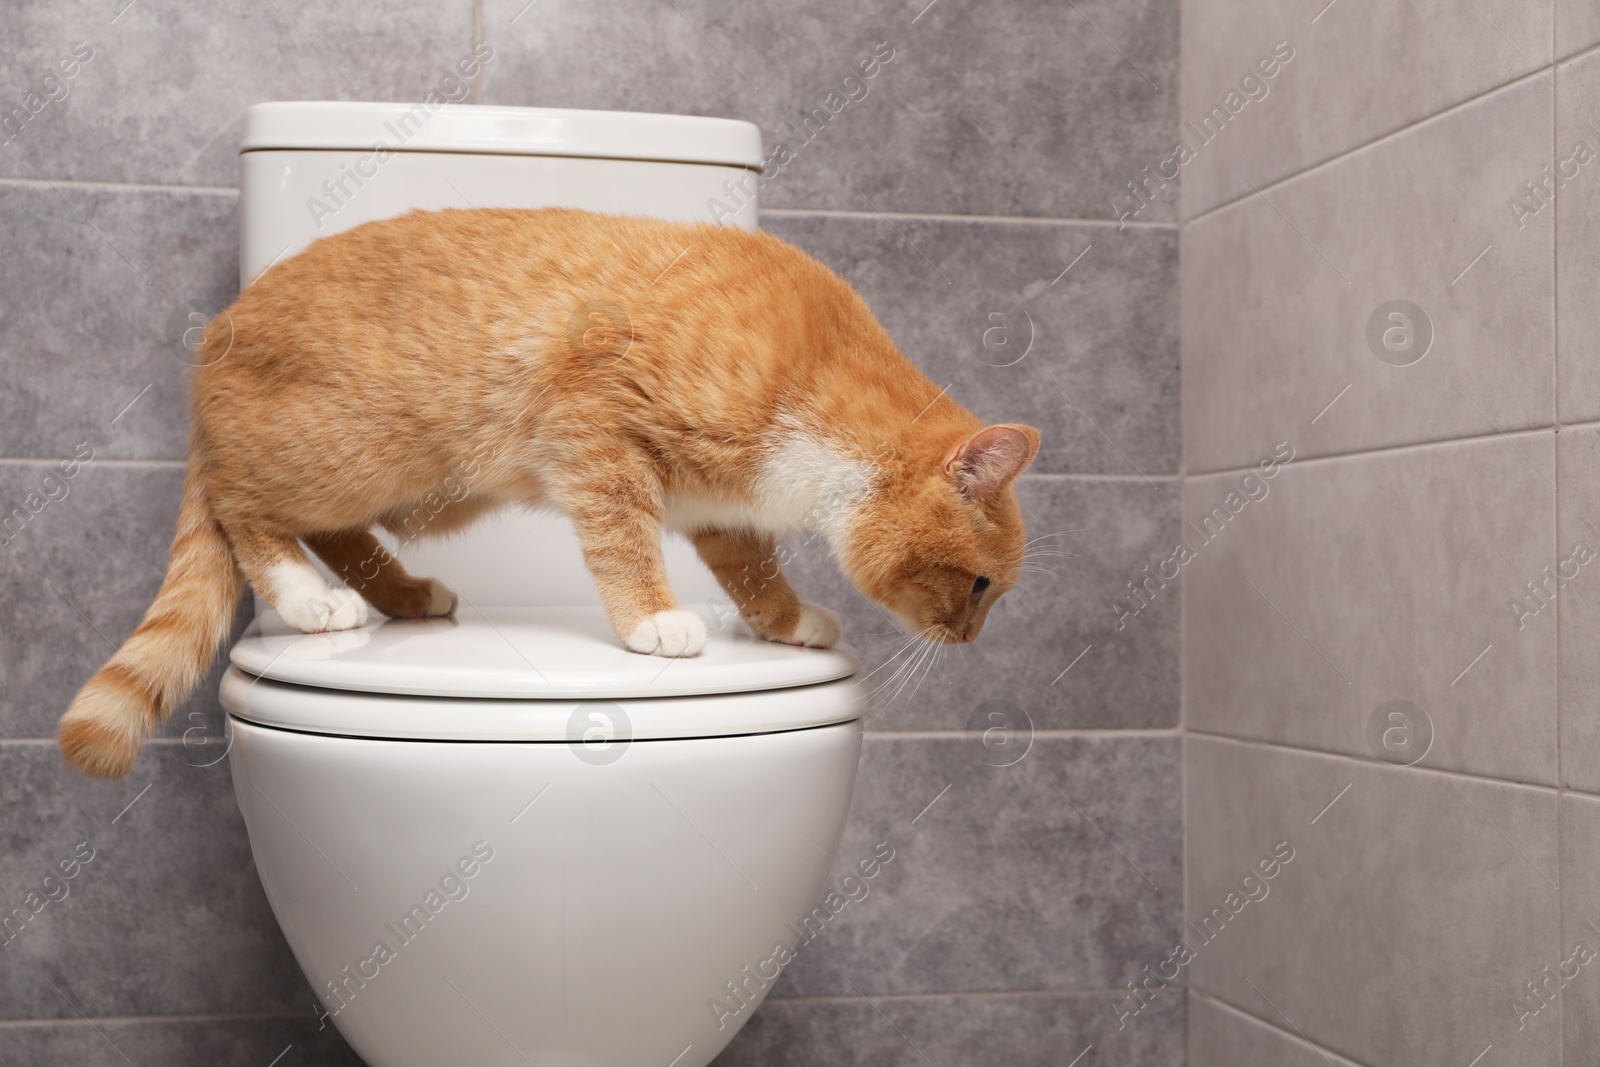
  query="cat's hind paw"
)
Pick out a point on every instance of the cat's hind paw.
point(818, 627)
point(319, 611)
point(442, 600)
point(668, 633)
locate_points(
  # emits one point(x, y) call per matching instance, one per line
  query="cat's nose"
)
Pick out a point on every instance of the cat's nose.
point(966, 639)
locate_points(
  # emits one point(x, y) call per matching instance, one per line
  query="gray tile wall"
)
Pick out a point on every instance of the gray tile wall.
point(1390, 664)
point(1039, 865)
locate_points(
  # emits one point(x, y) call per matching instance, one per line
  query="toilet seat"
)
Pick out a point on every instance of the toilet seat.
point(514, 674)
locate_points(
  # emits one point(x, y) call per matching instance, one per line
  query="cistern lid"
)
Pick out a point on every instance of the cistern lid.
point(523, 131)
point(527, 653)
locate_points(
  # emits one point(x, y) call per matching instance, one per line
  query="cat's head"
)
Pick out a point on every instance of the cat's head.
point(939, 542)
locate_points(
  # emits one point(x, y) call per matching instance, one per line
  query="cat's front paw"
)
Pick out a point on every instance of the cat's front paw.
point(818, 628)
point(668, 633)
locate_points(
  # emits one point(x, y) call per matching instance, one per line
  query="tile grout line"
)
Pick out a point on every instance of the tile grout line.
point(118, 1020)
point(975, 994)
point(1409, 446)
point(133, 187)
point(1547, 69)
point(1555, 373)
point(98, 461)
point(796, 212)
point(1369, 761)
point(1270, 1025)
point(1023, 220)
point(823, 998)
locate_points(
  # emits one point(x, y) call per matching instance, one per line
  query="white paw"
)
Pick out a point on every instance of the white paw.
point(310, 605)
point(668, 633)
point(442, 599)
point(818, 627)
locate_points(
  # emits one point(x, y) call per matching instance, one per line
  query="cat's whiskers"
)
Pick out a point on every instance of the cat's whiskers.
point(928, 660)
point(914, 669)
point(1058, 533)
point(904, 647)
point(907, 668)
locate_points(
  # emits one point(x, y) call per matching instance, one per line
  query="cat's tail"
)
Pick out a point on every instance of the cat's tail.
point(162, 660)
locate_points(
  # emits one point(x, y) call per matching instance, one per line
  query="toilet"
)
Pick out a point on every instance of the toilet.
point(501, 838)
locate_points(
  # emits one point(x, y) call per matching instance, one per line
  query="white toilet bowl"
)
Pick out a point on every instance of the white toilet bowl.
point(471, 878)
point(503, 839)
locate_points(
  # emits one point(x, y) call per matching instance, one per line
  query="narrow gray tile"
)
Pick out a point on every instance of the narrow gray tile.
point(1058, 872)
point(1057, 652)
point(1357, 73)
point(1030, 108)
point(1572, 582)
point(1089, 354)
point(1565, 995)
point(1291, 324)
point(163, 97)
point(1346, 584)
point(1028, 1030)
point(166, 917)
point(1222, 1036)
point(87, 562)
point(1414, 906)
point(175, 1043)
point(1575, 185)
point(95, 293)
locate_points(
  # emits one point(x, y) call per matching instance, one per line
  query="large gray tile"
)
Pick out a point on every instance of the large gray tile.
point(175, 1043)
point(94, 290)
point(1222, 1036)
point(1280, 292)
point(1578, 234)
point(1358, 72)
point(163, 98)
point(1570, 991)
point(1029, 108)
point(1412, 912)
point(1358, 581)
point(1028, 1030)
point(1005, 881)
point(1577, 26)
point(167, 918)
point(1101, 378)
point(1574, 584)
point(79, 575)
point(1123, 667)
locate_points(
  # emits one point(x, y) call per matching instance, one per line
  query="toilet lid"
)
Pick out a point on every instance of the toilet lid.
point(526, 653)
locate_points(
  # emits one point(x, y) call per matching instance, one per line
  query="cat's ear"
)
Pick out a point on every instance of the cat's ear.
point(990, 459)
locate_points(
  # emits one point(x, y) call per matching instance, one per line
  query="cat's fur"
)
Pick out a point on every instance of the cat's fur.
point(634, 374)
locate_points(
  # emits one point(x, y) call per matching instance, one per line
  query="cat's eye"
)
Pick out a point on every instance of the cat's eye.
point(978, 587)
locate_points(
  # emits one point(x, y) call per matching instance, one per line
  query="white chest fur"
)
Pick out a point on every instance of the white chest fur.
point(804, 484)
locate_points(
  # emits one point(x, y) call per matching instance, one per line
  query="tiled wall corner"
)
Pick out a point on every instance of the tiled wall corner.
point(1376, 668)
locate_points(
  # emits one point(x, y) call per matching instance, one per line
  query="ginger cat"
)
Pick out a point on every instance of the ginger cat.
point(637, 375)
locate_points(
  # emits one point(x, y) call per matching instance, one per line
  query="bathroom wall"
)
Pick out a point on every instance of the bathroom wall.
point(1387, 271)
point(971, 187)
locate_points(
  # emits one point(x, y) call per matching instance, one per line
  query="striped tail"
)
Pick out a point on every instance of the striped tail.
point(158, 665)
